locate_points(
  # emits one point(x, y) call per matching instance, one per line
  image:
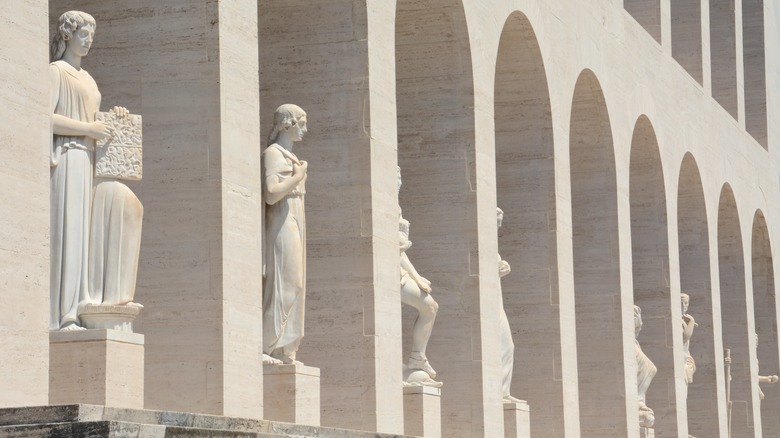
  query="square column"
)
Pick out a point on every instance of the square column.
point(99, 367)
point(517, 420)
point(422, 411)
point(292, 394)
point(24, 194)
point(196, 85)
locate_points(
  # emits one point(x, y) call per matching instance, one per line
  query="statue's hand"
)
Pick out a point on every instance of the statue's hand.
point(300, 170)
point(120, 111)
point(99, 130)
point(773, 379)
point(424, 284)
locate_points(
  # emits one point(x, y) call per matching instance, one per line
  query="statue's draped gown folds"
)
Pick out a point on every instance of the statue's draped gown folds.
point(115, 241)
point(285, 282)
point(74, 94)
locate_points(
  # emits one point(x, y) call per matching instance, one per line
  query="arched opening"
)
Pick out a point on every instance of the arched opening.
point(648, 14)
point(436, 153)
point(686, 36)
point(525, 186)
point(723, 54)
point(734, 314)
point(600, 364)
point(695, 280)
point(321, 66)
point(753, 58)
point(650, 254)
point(764, 305)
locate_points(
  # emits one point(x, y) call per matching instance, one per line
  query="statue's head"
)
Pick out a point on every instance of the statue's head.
point(287, 117)
point(637, 320)
point(499, 216)
point(685, 301)
point(68, 33)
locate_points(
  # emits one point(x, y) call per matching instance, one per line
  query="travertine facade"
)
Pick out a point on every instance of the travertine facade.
point(633, 145)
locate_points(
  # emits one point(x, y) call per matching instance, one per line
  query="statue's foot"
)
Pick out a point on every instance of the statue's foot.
point(268, 360)
point(132, 304)
point(509, 399)
point(71, 327)
point(290, 360)
point(418, 362)
point(425, 382)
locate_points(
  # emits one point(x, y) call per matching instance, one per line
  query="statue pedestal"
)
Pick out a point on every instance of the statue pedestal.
point(517, 420)
point(111, 317)
point(422, 411)
point(292, 394)
point(646, 432)
point(99, 367)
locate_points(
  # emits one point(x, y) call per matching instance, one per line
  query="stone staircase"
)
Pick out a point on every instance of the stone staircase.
point(91, 421)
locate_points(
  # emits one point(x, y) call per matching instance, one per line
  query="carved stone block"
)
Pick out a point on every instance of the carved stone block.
point(517, 420)
point(120, 156)
point(292, 394)
point(422, 411)
point(101, 367)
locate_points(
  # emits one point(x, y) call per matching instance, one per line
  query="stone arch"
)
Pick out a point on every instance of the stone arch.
point(648, 14)
point(436, 153)
point(765, 308)
point(650, 254)
point(525, 186)
point(598, 310)
point(733, 300)
point(753, 57)
point(695, 280)
point(723, 54)
point(686, 36)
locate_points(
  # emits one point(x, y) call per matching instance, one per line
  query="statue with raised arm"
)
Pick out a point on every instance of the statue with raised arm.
point(645, 371)
point(764, 379)
point(507, 344)
point(284, 287)
point(95, 220)
point(416, 292)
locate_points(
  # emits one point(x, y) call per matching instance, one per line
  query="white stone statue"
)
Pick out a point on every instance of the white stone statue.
point(93, 267)
point(764, 379)
point(416, 292)
point(284, 288)
point(507, 344)
point(645, 371)
point(689, 323)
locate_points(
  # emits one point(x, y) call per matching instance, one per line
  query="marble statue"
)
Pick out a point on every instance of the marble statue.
point(764, 379)
point(95, 222)
point(416, 292)
point(645, 371)
point(284, 287)
point(507, 344)
point(689, 323)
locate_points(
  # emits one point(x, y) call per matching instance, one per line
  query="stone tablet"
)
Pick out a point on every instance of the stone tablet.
point(120, 156)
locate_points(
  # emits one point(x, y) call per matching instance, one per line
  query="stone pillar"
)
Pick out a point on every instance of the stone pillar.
point(99, 367)
point(191, 70)
point(335, 65)
point(517, 420)
point(25, 141)
point(422, 411)
point(292, 394)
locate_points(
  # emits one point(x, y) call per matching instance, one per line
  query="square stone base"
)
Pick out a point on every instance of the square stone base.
point(102, 367)
point(292, 394)
point(646, 432)
point(517, 420)
point(422, 411)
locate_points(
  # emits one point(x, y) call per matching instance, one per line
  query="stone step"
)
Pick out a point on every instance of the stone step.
point(120, 429)
point(100, 421)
